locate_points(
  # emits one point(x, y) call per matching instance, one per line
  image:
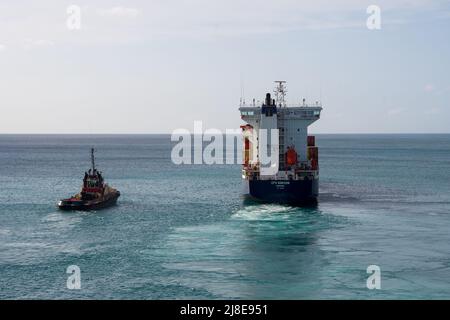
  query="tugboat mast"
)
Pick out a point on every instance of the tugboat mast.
point(92, 160)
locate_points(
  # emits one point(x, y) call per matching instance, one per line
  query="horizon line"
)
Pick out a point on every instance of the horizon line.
point(320, 133)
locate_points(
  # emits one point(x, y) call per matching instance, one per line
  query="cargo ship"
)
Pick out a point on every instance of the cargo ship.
point(293, 178)
point(95, 193)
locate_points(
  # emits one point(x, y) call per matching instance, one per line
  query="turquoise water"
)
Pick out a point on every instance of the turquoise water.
point(184, 232)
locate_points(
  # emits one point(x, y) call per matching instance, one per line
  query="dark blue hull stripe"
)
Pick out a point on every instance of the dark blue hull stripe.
point(283, 191)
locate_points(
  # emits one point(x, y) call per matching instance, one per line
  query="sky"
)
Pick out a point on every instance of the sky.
point(158, 65)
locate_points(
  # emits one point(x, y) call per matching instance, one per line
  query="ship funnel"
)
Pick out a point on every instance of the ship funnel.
point(268, 99)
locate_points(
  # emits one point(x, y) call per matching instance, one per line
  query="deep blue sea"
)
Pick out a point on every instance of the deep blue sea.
point(184, 232)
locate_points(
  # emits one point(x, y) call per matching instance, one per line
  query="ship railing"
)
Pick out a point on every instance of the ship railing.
point(302, 105)
point(292, 105)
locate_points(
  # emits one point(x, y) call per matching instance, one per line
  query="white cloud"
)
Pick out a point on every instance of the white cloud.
point(197, 18)
point(237, 17)
point(120, 12)
point(2, 47)
point(395, 111)
point(33, 43)
point(429, 87)
point(433, 111)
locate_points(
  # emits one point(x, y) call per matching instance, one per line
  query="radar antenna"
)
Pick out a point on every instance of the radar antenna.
point(280, 93)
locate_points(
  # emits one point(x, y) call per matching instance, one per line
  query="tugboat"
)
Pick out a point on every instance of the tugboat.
point(95, 194)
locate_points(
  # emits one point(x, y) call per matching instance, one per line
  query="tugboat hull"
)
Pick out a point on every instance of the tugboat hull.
point(86, 205)
point(292, 192)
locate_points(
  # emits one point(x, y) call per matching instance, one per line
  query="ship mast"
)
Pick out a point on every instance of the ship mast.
point(280, 93)
point(92, 160)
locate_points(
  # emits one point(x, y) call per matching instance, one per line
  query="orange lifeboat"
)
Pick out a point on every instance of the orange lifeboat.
point(291, 157)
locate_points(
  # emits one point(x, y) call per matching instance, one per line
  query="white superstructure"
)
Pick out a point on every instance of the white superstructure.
point(292, 122)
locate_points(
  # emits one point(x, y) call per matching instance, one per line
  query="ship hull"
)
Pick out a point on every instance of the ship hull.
point(80, 205)
point(292, 192)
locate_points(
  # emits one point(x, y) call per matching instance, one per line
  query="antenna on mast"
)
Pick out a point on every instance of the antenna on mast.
point(92, 160)
point(242, 90)
point(280, 93)
point(320, 91)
